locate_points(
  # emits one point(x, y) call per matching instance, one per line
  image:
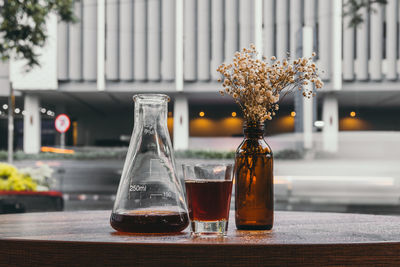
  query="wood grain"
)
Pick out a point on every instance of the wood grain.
point(298, 238)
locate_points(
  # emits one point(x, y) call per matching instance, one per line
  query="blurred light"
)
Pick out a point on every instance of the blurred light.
point(56, 150)
point(353, 124)
point(17, 110)
point(43, 110)
point(293, 114)
point(201, 114)
point(234, 114)
point(170, 125)
point(352, 114)
point(202, 127)
point(228, 126)
point(285, 123)
point(24, 112)
point(1, 112)
point(49, 112)
point(75, 132)
point(319, 124)
point(5, 106)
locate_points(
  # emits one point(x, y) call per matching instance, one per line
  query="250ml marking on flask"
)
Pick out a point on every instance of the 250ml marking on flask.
point(137, 188)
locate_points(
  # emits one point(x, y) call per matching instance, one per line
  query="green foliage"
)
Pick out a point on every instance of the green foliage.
point(89, 155)
point(121, 154)
point(353, 7)
point(23, 26)
point(289, 154)
point(205, 154)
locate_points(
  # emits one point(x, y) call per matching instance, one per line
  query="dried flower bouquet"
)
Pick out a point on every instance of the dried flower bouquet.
point(258, 85)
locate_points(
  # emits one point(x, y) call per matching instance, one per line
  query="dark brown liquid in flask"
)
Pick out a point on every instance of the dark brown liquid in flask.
point(254, 199)
point(149, 221)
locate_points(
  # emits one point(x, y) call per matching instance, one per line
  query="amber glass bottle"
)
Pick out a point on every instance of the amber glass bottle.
point(254, 199)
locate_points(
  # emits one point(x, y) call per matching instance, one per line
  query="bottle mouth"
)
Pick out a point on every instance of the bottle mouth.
point(252, 124)
point(151, 98)
point(253, 128)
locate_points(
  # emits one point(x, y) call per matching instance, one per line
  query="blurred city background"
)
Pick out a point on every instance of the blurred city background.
point(339, 152)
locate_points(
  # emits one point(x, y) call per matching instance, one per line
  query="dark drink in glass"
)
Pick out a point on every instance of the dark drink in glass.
point(208, 196)
point(208, 200)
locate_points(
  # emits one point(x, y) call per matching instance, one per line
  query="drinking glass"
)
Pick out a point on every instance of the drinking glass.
point(208, 196)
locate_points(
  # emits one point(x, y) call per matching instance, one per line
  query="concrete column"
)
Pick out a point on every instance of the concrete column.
point(62, 51)
point(307, 103)
point(330, 103)
point(217, 36)
point(376, 42)
point(181, 123)
point(139, 40)
point(75, 45)
point(112, 40)
point(190, 54)
point(361, 67)
point(4, 78)
point(296, 50)
point(168, 38)
point(310, 13)
point(336, 52)
point(203, 41)
point(246, 23)
point(391, 44)
point(179, 45)
point(101, 44)
point(348, 49)
point(153, 40)
point(269, 20)
point(126, 40)
point(295, 29)
point(325, 37)
point(258, 26)
point(282, 28)
point(32, 125)
point(330, 117)
point(231, 28)
point(89, 24)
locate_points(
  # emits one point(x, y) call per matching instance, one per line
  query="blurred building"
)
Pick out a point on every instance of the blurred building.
point(91, 69)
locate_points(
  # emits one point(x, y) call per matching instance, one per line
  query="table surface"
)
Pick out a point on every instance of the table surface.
point(316, 238)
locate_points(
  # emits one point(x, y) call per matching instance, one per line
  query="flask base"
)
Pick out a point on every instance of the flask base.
point(150, 222)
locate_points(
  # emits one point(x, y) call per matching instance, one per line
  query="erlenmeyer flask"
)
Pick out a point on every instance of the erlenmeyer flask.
point(150, 196)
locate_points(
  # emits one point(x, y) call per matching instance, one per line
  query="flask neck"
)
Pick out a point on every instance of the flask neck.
point(253, 130)
point(151, 110)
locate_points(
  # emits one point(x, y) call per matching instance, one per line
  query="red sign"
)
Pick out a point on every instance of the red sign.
point(62, 123)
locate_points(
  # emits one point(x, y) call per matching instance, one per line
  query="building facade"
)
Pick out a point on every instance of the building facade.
point(91, 69)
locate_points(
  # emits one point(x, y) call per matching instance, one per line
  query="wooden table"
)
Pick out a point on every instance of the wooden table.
point(298, 238)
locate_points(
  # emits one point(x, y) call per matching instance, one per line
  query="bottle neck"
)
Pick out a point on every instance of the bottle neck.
point(253, 130)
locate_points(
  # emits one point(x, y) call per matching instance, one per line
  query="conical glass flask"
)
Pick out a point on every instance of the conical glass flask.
point(150, 196)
